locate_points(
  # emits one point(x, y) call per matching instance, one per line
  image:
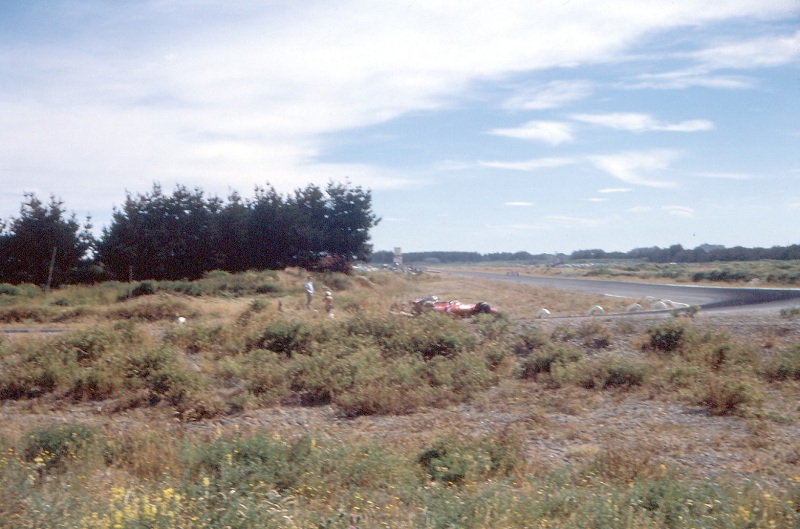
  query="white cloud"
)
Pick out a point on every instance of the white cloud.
point(597, 199)
point(552, 132)
point(726, 176)
point(530, 165)
point(642, 122)
point(763, 52)
point(565, 221)
point(688, 78)
point(615, 190)
point(679, 211)
point(518, 204)
point(634, 167)
point(550, 95)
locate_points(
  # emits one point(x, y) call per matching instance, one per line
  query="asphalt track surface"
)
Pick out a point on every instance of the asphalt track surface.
point(708, 298)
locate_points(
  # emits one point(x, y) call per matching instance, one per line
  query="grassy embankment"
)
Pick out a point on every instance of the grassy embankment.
point(131, 420)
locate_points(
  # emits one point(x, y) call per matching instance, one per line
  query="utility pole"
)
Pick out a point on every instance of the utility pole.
point(50, 272)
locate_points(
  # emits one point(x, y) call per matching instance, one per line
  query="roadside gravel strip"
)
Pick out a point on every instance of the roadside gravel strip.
point(708, 298)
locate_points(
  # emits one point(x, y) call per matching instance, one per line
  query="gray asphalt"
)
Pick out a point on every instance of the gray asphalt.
point(708, 298)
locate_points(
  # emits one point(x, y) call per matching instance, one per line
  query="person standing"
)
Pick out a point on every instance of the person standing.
point(328, 299)
point(309, 288)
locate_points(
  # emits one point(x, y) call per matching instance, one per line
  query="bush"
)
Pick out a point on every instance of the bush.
point(8, 290)
point(544, 359)
point(784, 365)
point(457, 461)
point(667, 337)
point(145, 288)
point(54, 446)
point(529, 339)
point(602, 373)
point(167, 308)
point(284, 337)
point(725, 396)
point(160, 372)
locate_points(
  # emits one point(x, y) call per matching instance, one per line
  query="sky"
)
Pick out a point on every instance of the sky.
point(541, 126)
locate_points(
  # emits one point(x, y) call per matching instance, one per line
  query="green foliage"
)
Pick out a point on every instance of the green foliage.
point(151, 309)
point(544, 359)
point(783, 365)
point(459, 461)
point(726, 395)
point(41, 236)
point(529, 339)
point(667, 337)
point(602, 373)
point(183, 236)
point(54, 446)
point(492, 327)
point(162, 373)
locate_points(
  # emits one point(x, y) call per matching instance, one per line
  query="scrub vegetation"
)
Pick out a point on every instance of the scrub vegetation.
point(223, 402)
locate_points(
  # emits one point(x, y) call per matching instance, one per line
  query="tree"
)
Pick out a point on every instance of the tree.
point(155, 236)
point(41, 236)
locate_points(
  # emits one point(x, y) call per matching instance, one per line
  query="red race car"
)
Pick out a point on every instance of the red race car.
point(454, 307)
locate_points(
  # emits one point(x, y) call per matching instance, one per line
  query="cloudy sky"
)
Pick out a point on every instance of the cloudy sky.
point(540, 126)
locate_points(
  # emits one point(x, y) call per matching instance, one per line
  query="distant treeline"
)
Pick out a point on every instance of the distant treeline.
point(186, 234)
point(674, 254)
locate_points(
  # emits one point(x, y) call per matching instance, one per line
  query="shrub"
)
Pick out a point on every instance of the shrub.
point(8, 290)
point(166, 308)
point(160, 372)
point(602, 373)
point(492, 326)
point(595, 335)
point(784, 365)
point(458, 461)
point(667, 337)
point(529, 339)
point(54, 446)
point(145, 288)
point(544, 359)
point(725, 396)
point(284, 337)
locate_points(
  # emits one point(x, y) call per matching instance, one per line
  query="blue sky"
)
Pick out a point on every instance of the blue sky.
point(547, 126)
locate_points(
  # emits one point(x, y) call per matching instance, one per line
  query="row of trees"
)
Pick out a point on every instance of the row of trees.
point(183, 235)
point(674, 254)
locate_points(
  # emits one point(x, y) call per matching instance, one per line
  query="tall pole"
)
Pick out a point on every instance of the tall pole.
point(50, 273)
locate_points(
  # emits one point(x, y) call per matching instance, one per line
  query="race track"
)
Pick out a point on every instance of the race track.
point(708, 298)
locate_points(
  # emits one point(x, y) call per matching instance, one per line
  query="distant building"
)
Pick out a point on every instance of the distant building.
point(397, 258)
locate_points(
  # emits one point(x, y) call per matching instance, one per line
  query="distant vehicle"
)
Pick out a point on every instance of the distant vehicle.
point(453, 307)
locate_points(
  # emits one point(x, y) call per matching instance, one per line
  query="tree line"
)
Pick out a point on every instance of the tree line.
point(183, 235)
point(676, 253)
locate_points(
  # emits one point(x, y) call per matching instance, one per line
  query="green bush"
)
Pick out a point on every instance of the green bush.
point(459, 461)
point(54, 446)
point(8, 290)
point(784, 365)
point(602, 373)
point(726, 395)
point(545, 358)
point(530, 339)
point(667, 337)
point(161, 372)
point(284, 337)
